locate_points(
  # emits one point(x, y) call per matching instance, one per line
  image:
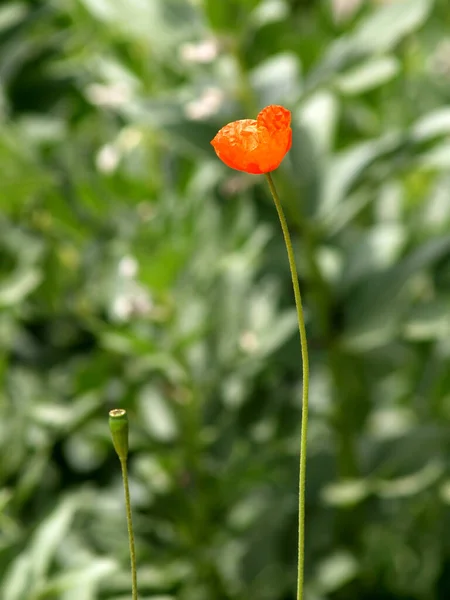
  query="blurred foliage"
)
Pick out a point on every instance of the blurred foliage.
point(137, 271)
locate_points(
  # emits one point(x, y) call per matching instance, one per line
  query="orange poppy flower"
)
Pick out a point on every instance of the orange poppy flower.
point(256, 146)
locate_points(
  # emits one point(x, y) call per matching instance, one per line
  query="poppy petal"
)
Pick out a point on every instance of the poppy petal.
point(255, 146)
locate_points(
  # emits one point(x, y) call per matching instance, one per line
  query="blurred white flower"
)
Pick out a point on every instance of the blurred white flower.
point(122, 308)
point(129, 138)
point(344, 9)
point(249, 342)
point(142, 302)
point(107, 158)
point(135, 302)
point(131, 299)
point(109, 96)
point(109, 155)
point(206, 105)
point(128, 267)
point(201, 52)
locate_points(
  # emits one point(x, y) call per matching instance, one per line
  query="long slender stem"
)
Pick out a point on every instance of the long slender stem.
point(305, 367)
point(123, 464)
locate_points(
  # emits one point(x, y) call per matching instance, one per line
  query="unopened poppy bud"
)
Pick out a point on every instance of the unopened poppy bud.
point(118, 425)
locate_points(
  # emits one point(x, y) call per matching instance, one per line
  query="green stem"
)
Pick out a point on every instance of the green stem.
point(305, 366)
point(123, 464)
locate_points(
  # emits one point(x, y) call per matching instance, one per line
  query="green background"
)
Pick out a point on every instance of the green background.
point(136, 270)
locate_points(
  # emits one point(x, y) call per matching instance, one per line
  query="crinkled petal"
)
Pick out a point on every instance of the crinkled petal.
point(274, 118)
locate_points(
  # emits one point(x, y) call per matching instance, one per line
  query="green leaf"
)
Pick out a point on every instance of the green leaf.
point(161, 24)
point(157, 414)
point(20, 285)
point(81, 583)
point(313, 131)
point(390, 24)
point(375, 311)
point(437, 158)
point(368, 76)
point(433, 124)
point(220, 14)
point(11, 14)
point(277, 80)
point(346, 493)
point(429, 322)
point(336, 570)
point(373, 251)
point(319, 115)
point(378, 33)
point(269, 11)
point(15, 585)
point(49, 536)
point(347, 168)
point(411, 485)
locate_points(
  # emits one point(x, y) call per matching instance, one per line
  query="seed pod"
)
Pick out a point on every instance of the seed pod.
point(118, 425)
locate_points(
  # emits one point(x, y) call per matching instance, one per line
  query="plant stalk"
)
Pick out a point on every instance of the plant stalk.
point(123, 464)
point(305, 387)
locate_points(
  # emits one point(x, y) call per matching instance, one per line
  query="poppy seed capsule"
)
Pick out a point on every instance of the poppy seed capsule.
point(118, 425)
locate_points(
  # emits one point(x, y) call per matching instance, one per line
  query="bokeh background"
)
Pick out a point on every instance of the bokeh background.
point(137, 271)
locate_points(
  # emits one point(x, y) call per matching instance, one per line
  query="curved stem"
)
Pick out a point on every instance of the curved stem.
point(123, 464)
point(305, 367)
